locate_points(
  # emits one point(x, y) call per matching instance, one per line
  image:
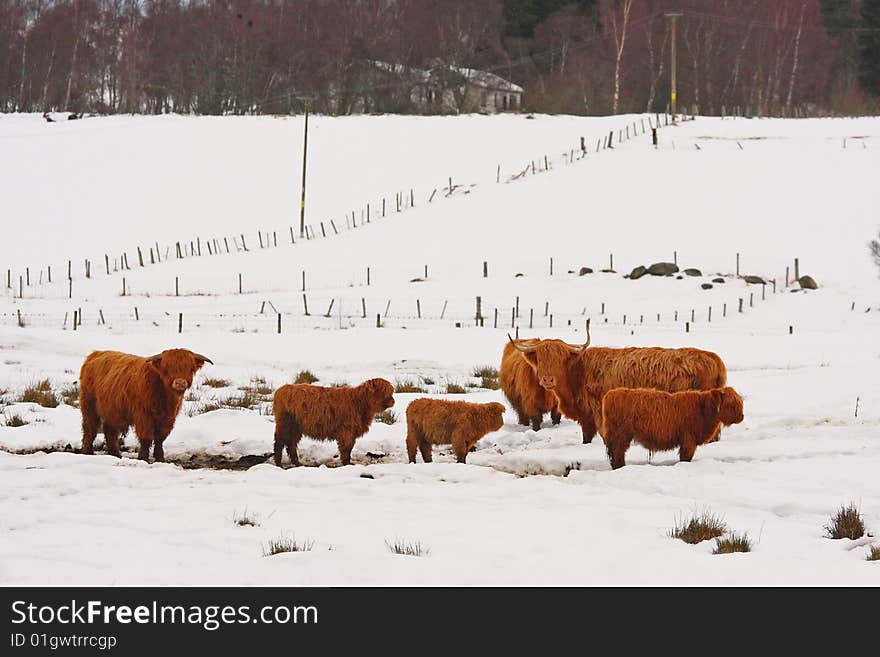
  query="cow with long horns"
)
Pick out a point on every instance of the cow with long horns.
point(520, 385)
point(118, 391)
point(580, 377)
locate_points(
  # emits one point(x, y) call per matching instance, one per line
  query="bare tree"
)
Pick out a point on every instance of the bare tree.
point(619, 25)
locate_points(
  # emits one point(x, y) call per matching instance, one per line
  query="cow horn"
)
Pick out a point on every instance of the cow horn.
point(204, 359)
point(579, 348)
point(520, 347)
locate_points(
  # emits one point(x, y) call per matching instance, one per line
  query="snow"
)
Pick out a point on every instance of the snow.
point(529, 507)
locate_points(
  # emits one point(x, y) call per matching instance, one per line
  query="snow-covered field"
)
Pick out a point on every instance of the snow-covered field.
point(528, 508)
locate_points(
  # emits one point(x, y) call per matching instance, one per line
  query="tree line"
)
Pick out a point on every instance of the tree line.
point(580, 57)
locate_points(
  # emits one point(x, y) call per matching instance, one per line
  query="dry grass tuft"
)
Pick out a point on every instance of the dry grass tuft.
point(15, 420)
point(700, 527)
point(733, 543)
point(246, 519)
point(70, 394)
point(217, 383)
point(305, 376)
point(286, 544)
point(40, 393)
point(407, 385)
point(846, 523)
point(407, 548)
point(386, 417)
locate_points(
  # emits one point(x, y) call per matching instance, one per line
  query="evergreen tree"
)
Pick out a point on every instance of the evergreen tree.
point(521, 17)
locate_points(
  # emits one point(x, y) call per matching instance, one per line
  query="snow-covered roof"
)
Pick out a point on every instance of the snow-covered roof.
point(487, 80)
point(474, 76)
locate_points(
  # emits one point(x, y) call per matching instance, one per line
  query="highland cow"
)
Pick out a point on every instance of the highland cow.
point(118, 391)
point(340, 414)
point(580, 377)
point(520, 385)
point(660, 421)
point(457, 423)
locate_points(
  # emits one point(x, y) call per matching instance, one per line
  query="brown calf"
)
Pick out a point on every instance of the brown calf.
point(660, 421)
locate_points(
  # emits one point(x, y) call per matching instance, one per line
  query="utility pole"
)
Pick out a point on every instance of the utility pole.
point(302, 202)
point(673, 15)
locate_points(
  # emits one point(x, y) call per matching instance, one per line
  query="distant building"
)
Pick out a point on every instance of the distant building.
point(444, 89)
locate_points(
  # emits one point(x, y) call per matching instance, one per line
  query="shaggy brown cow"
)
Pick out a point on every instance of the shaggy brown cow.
point(660, 421)
point(580, 377)
point(341, 414)
point(438, 422)
point(520, 385)
point(118, 391)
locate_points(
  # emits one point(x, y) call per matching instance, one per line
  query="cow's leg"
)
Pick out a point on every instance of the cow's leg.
point(144, 449)
point(111, 441)
point(687, 448)
point(412, 443)
point(555, 416)
point(536, 422)
point(590, 418)
point(459, 447)
point(91, 422)
point(425, 449)
point(292, 446)
point(523, 419)
point(346, 444)
point(159, 450)
point(715, 435)
point(285, 431)
point(145, 428)
point(616, 449)
point(588, 429)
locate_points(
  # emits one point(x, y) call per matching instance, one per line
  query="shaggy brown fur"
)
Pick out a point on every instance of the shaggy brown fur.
point(520, 385)
point(660, 421)
point(118, 391)
point(580, 380)
point(341, 414)
point(457, 423)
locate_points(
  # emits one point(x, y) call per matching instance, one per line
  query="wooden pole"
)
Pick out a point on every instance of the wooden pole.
point(180, 323)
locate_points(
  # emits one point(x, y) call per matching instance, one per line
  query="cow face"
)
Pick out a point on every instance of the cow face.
point(176, 368)
point(381, 393)
point(730, 409)
point(550, 359)
point(498, 419)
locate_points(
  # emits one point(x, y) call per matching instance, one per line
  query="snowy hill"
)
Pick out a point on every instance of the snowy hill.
point(534, 508)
